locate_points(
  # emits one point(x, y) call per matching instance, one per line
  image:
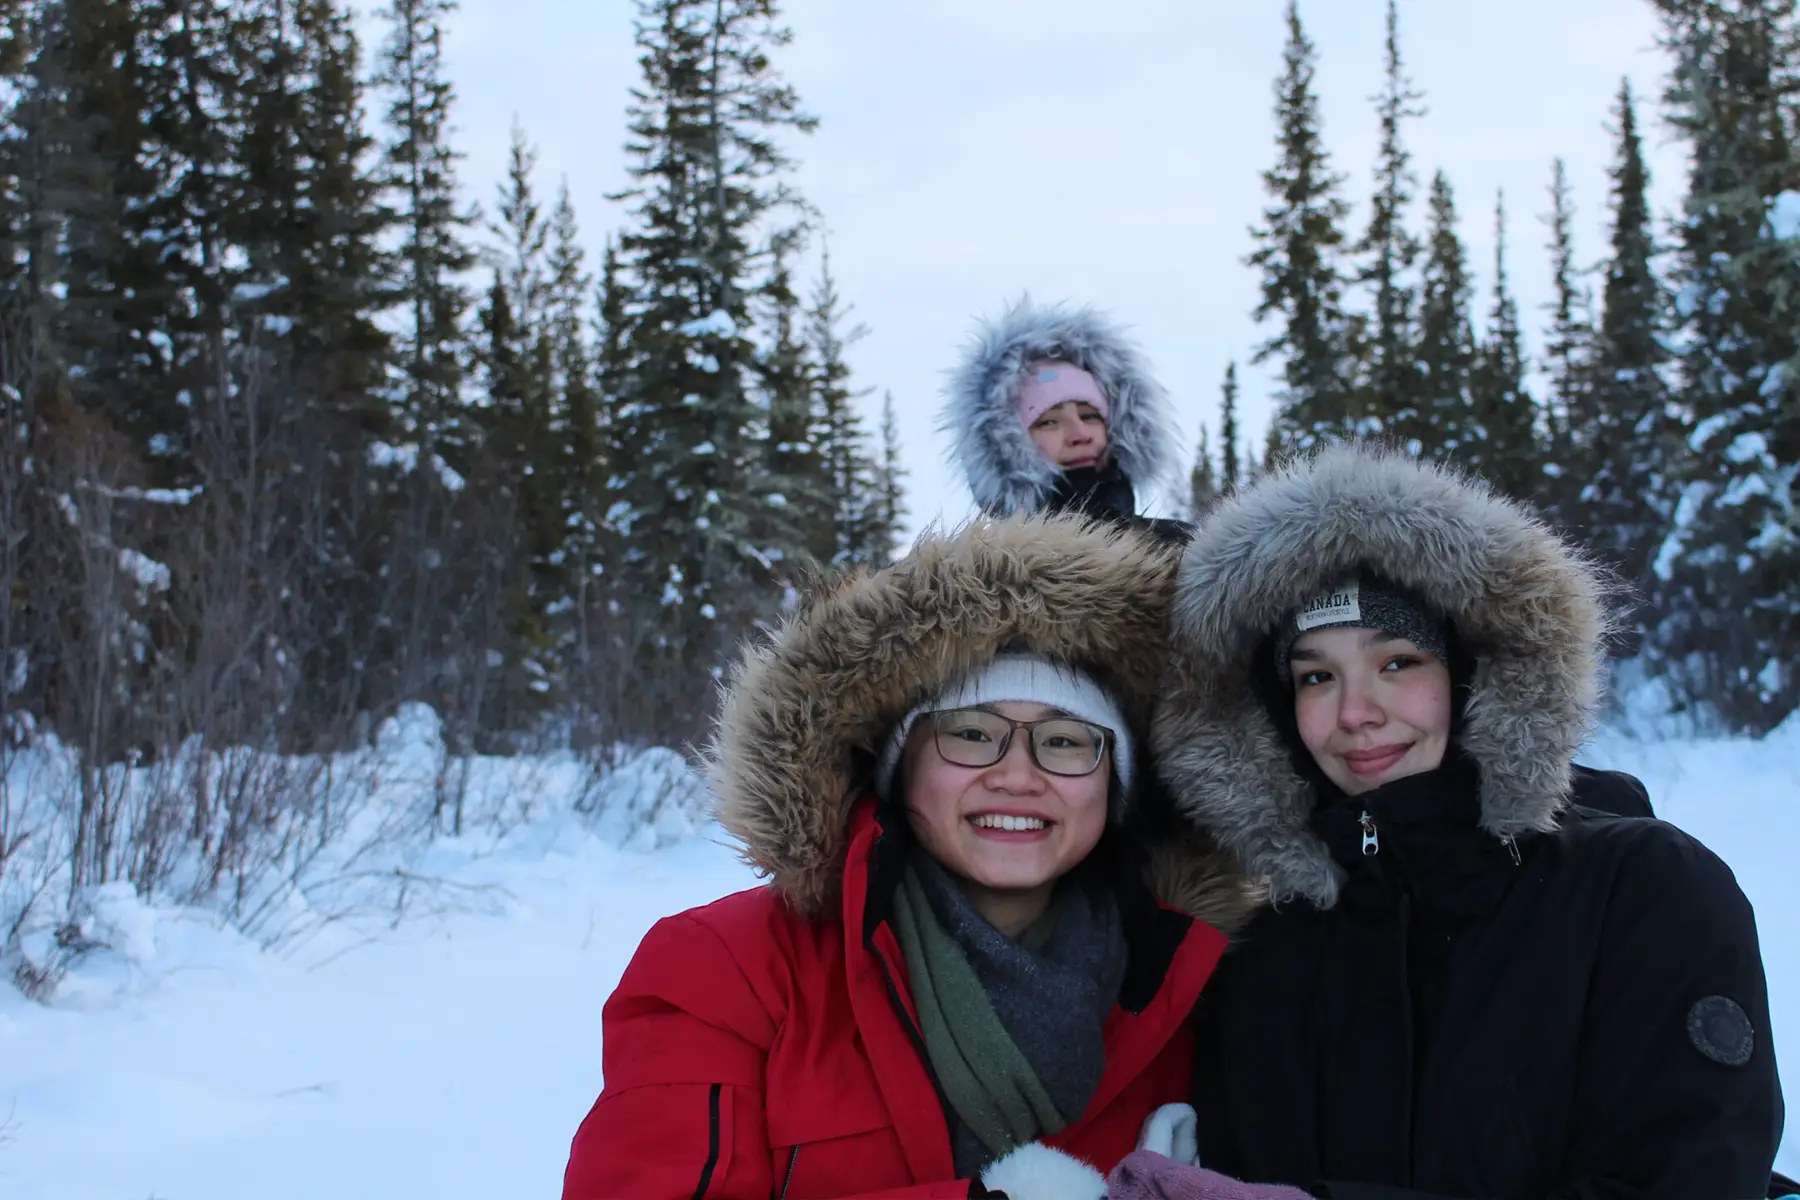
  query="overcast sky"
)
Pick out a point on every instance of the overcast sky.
point(1100, 151)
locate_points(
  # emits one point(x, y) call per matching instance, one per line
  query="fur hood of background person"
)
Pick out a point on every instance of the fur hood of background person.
point(1005, 472)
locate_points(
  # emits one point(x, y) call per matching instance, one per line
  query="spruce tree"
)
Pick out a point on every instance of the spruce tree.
point(420, 176)
point(799, 456)
point(194, 115)
point(1628, 449)
point(100, 219)
point(1203, 481)
point(1439, 426)
point(523, 440)
point(686, 485)
point(1297, 251)
point(1569, 340)
point(611, 364)
point(1730, 568)
point(1503, 445)
point(1230, 464)
point(851, 471)
point(583, 451)
point(1389, 380)
point(888, 507)
point(312, 216)
point(317, 280)
point(448, 549)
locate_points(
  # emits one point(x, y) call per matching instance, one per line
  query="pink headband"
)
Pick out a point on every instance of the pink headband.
point(1049, 382)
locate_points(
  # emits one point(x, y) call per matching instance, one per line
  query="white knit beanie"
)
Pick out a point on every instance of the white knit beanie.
point(1018, 677)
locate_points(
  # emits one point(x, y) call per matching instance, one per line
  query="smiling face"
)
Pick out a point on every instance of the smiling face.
point(1008, 831)
point(1070, 434)
point(1371, 707)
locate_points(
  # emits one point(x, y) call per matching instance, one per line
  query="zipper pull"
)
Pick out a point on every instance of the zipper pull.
point(1371, 838)
point(1512, 848)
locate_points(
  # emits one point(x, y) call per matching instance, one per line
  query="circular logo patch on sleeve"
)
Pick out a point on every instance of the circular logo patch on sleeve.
point(1721, 1030)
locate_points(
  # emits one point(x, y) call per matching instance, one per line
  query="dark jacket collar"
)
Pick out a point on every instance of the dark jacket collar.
point(1420, 837)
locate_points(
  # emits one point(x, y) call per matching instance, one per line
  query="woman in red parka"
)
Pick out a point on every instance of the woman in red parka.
point(958, 980)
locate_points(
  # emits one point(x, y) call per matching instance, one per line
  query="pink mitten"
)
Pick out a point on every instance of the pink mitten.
point(1146, 1175)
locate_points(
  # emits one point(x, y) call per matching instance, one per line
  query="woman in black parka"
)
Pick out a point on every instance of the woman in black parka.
point(1471, 982)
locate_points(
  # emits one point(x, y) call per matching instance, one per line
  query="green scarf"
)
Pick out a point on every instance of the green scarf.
point(984, 1074)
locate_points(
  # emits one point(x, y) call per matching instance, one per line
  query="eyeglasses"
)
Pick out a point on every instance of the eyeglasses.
point(975, 737)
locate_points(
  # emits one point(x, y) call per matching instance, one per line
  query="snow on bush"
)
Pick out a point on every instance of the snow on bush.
point(362, 841)
point(650, 800)
point(1784, 215)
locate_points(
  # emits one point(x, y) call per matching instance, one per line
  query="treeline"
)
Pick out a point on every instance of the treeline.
point(1664, 427)
point(295, 434)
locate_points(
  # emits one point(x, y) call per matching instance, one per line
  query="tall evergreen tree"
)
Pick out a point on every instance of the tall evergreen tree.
point(687, 488)
point(612, 339)
point(574, 378)
point(1569, 340)
point(889, 501)
point(1438, 426)
point(312, 215)
point(523, 443)
point(98, 225)
point(1389, 382)
point(1628, 449)
point(452, 550)
point(1503, 446)
point(1730, 569)
point(1297, 250)
point(798, 454)
point(850, 477)
point(1230, 464)
point(1203, 480)
point(420, 174)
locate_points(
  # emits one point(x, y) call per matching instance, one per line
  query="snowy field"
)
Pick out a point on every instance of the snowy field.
point(450, 1055)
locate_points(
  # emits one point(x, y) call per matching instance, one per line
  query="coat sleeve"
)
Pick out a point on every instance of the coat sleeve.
point(1677, 1092)
point(682, 1113)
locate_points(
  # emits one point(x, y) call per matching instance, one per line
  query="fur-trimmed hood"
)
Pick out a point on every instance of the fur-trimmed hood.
point(1529, 609)
point(806, 711)
point(1005, 471)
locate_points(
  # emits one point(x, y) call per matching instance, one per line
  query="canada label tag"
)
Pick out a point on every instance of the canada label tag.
point(1339, 606)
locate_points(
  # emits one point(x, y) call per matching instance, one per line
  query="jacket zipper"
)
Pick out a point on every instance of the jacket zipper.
point(787, 1181)
point(712, 1140)
point(912, 1032)
point(1371, 836)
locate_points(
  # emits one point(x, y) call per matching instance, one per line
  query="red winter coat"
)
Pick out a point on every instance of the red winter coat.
point(751, 1052)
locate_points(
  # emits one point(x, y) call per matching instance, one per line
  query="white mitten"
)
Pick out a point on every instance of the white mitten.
point(1173, 1131)
point(1035, 1171)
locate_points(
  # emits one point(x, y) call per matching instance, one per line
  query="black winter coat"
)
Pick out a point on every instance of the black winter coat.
point(1585, 1019)
point(1105, 492)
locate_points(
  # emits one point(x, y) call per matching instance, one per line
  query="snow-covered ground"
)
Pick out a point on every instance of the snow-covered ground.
point(453, 1055)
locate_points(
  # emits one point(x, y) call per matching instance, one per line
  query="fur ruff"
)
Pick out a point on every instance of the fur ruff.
point(1532, 611)
point(806, 712)
point(1005, 471)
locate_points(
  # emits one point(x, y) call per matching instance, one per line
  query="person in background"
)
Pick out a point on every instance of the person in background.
point(1472, 981)
point(1054, 409)
point(957, 981)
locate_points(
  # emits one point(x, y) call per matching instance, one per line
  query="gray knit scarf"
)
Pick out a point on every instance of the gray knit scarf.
point(1013, 1029)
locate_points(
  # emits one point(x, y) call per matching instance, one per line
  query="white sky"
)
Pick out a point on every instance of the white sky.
point(1101, 151)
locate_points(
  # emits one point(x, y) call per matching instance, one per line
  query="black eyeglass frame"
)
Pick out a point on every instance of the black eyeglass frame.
point(1101, 743)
